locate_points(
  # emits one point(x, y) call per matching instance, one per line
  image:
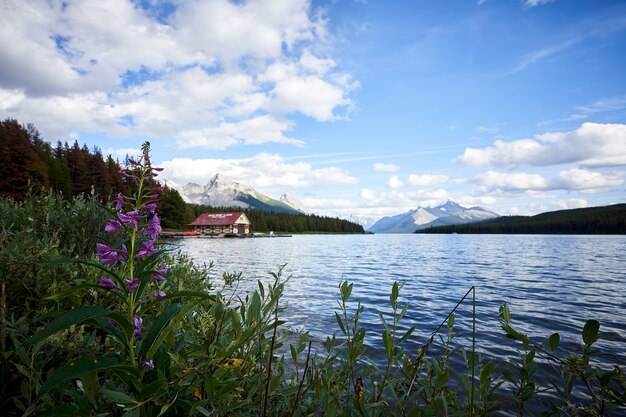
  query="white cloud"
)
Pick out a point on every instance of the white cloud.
point(592, 144)
point(533, 3)
point(122, 152)
point(261, 171)
point(605, 105)
point(253, 131)
point(588, 181)
point(470, 201)
point(570, 180)
point(366, 194)
point(212, 67)
point(555, 204)
point(426, 179)
point(395, 182)
point(510, 182)
point(380, 167)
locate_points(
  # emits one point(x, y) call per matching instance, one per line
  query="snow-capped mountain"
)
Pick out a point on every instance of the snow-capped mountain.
point(223, 192)
point(293, 202)
point(424, 217)
point(362, 219)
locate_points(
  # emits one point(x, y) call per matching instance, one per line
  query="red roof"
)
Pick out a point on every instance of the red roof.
point(216, 219)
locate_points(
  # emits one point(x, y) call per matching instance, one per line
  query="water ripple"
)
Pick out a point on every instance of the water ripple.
point(552, 283)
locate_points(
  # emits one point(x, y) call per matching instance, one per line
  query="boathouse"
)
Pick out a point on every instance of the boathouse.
point(222, 224)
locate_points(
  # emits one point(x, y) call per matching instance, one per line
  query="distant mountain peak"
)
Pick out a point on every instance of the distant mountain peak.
point(221, 191)
point(290, 200)
point(422, 217)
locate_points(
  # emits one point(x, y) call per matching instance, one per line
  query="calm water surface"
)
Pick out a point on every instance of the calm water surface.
point(551, 283)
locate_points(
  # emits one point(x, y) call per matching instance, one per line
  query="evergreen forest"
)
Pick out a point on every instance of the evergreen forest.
point(607, 220)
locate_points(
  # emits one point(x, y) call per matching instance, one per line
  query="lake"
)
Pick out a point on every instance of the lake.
point(551, 283)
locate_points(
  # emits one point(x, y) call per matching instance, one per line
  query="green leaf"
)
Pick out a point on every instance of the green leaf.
point(340, 323)
point(505, 314)
point(590, 332)
point(118, 397)
point(235, 320)
point(294, 354)
point(162, 326)
point(154, 389)
point(403, 312)
point(451, 321)
point(388, 342)
point(90, 385)
point(70, 318)
point(82, 367)
point(406, 335)
point(394, 295)
point(261, 288)
point(554, 341)
point(254, 311)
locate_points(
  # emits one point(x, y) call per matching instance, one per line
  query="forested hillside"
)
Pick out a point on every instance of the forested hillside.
point(595, 220)
point(29, 164)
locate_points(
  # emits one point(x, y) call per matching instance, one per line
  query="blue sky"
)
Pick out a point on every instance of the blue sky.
point(357, 108)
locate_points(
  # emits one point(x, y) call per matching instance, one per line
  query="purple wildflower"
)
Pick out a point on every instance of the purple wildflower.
point(147, 249)
point(151, 207)
point(154, 228)
point(137, 322)
point(159, 275)
point(119, 202)
point(149, 363)
point(113, 226)
point(131, 218)
point(152, 196)
point(107, 283)
point(107, 255)
point(159, 294)
point(132, 285)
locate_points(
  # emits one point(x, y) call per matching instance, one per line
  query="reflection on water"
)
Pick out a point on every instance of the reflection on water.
point(552, 283)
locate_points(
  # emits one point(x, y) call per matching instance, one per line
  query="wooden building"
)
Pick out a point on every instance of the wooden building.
point(222, 224)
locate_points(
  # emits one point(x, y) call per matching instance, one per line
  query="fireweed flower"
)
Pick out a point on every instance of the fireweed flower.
point(113, 227)
point(151, 208)
point(131, 285)
point(107, 283)
point(107, 255)
point(153, 228)
point(137, 224)
point(147, 248)
point(159, 275)
point(131, 218)
point(137, 322)
point(119, 202)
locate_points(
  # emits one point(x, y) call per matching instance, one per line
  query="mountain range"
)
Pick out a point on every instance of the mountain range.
point(424, 217)
point(223, 192)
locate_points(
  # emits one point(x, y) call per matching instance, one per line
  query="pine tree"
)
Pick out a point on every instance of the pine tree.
point(21, 166)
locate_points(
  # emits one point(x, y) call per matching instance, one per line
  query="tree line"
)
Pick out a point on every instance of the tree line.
point(29, 164)
point(594, 220)
point(264, 221)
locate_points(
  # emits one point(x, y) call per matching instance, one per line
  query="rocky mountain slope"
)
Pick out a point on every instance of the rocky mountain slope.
point(424, 217)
